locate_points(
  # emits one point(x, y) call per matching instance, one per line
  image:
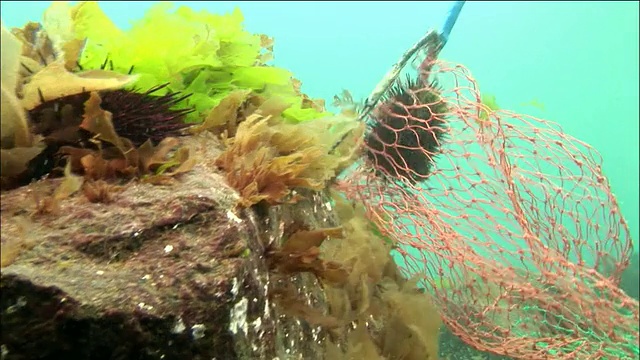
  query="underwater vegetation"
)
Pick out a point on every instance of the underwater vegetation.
point(266, 156)
point(403, 322)
point(139, 90)
point(218, 57)
point(373, 311)
point(491, 104)
point(95, 111)
point(67, 120)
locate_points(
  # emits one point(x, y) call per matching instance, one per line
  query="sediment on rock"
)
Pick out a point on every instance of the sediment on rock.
point(171, 272)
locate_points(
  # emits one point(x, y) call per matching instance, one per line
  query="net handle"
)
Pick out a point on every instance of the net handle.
point(451, 20)
point(431, 43)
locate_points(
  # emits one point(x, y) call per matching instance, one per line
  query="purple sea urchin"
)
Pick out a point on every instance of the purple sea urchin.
point(137, 116)
point(142, 116)
point(406, 131)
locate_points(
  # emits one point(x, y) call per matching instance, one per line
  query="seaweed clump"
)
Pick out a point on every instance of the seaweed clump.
point(195, 52)
point(393, 318)
point(268, 157)
point(373, 311)
point(18, 145)
point(86, 118)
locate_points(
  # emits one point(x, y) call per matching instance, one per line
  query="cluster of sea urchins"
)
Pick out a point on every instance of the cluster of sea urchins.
point(137, 116)
point(406, 131)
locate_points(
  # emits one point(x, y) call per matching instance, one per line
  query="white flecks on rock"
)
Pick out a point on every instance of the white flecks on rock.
point(197, 331)
point(233, 217)
point(144, 306)
point(235, 287)
point(178, 326)
point(257, 323)
point(4, 352)
point(239, 317)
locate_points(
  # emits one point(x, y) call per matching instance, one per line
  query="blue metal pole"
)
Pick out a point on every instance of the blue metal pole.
point(451, 20)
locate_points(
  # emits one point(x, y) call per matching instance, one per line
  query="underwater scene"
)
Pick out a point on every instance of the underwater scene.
point(320, 180)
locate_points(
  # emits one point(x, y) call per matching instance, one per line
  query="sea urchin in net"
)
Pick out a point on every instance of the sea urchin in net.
point(406, 131)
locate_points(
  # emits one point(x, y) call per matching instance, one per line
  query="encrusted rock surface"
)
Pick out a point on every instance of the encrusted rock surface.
point(161, 272)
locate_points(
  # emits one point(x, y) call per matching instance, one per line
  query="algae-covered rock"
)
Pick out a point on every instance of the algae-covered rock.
point(223, 242)
point(160, 272)
point(178, 271)
point(156, 272)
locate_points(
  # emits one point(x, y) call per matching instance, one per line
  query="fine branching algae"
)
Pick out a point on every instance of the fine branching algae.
point(268, 156)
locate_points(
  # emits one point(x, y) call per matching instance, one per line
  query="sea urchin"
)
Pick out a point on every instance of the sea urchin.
point(137, 116)
point(406, 131)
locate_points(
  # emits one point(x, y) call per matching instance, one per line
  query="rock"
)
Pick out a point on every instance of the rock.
point(161, 272)
point(296, 339)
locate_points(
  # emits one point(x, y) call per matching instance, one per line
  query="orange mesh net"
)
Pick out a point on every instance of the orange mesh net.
point(510, 221)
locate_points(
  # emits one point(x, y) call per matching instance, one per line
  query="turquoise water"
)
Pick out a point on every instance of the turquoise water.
point(580, 59)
